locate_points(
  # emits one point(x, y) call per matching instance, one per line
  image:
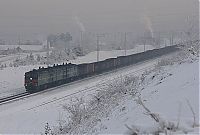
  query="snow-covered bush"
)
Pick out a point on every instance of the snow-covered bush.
point(9, 51)
point(47, 129)
point(2, 66)
point(78, 51)
point(78, 112)
point(85, 115)
point(164, 126)
point(189, 51)
point(192, 47)
point(60, 56)
point(28, 60)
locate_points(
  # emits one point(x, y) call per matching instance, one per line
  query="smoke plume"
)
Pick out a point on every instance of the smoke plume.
point(79, 23)
point(148, 24)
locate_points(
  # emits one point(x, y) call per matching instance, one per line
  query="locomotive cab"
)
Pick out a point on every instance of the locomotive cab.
point(30, 81)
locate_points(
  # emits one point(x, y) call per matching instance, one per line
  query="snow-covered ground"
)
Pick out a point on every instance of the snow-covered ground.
point(166, 95)
point(168, 92)
point(168, 98)
point(23, 47)
point(12, 78)
point(164, 100)
point(30, 115)
point(7, 58)
point(92, 57)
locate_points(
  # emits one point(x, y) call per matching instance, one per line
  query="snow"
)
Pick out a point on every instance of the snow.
point(30, 115)
point(23, 47)
point(12, 78)
point(7, 59)
point(11, 57)
point(164, 99)
point(165, 95)
point(92, 57)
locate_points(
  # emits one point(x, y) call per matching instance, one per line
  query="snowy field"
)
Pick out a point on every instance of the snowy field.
point(23, 47)
point(92, 57)
point(167, 98)
point(163, 96)
point(46, 107)
point(12, 78)
point(8, 58)
point(168, 92)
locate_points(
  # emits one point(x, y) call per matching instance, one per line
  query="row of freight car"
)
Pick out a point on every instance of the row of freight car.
point(44, 78)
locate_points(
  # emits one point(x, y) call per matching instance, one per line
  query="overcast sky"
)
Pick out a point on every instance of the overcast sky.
point(49, 16)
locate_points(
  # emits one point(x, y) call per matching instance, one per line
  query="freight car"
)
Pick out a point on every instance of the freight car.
point(44, 78)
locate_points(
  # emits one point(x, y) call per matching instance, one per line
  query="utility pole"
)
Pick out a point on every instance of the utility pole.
point(172, 39)
point(125, 42)
point(81, 38)
point(19, 42)
point(97, 48)
point(121, 39)
point(48, 45)
point(98, 36)
point(115, 38)
point(159, 42)
point(144, 42)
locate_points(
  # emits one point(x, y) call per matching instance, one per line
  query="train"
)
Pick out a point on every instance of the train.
point(52, 76)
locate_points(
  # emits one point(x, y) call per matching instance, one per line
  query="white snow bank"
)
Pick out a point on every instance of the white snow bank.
point(163, 98)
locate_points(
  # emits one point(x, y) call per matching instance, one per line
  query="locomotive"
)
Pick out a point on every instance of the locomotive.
point(44, 78)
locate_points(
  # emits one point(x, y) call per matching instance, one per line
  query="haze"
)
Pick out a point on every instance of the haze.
point(41, 17)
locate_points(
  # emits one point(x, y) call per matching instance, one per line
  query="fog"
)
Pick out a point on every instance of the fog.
point(41, 17)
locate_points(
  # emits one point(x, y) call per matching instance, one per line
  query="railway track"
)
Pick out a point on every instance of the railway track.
point(92, 88)
point(13, 97)
point(26, 94)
